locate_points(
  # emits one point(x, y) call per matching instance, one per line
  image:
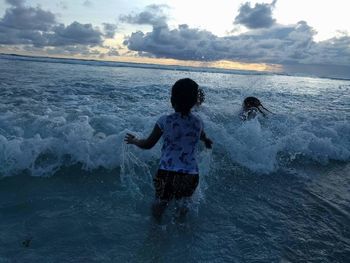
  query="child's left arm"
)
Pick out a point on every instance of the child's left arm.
point(206, 140)
point(148, 143)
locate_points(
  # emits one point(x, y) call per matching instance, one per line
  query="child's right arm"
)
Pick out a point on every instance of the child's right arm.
point(148, 143)
point(206, 140)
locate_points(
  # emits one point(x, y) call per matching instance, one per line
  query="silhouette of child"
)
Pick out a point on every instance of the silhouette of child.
point(177, 176)
point(251, 107)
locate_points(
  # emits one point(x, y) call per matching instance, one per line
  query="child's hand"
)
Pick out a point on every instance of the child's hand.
point(208, 143)
point(130, 139)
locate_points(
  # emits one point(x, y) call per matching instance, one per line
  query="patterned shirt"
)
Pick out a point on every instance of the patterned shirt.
point(180, 138)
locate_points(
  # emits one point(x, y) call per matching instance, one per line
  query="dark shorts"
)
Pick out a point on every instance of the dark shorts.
point(176, 185)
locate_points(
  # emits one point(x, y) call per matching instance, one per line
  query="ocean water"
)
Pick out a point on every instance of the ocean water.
point(273, 189)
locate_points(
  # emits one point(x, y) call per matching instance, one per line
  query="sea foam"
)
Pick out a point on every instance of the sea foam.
point(57, 115)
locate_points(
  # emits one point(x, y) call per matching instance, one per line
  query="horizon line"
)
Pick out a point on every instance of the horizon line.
point(153, 65)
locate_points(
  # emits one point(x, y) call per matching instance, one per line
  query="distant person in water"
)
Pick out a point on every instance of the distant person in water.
point(251, 108)
point(178, 175)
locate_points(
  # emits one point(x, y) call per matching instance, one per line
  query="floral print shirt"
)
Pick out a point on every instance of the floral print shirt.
point(180, 138)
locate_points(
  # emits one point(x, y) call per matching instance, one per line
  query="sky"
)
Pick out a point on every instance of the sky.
point(291, 36)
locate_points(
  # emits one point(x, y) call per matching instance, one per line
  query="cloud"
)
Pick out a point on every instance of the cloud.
point(152, 15)
point(79, 50)
point(35, 26)
point(34, 29)
point(15, 2)
point(259, 16)
point(73, 34)
point(25, 25)
point(332, 51)
point(266, 41)
point(63, 5)
point(10, 36)
point(73, 50)
point(277, 44)
point(108, 52)
point(87, 3)
point(28, 18)
point(181, 43)
point(112, 52)
point(109, 30)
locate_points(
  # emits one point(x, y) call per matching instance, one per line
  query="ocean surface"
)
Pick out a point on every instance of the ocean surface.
point(273, 189)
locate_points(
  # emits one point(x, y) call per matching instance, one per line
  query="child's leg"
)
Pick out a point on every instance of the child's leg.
point(164, 193)
point(185, 185)
point(182, 206)
point(158, 208)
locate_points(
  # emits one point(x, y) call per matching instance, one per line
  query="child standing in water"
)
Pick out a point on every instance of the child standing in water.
point(177, 176)
point(251, 107)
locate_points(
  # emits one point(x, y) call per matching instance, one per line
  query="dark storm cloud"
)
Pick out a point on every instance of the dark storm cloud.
point(332, 51)
point(277, 44)
point(188, 43)
point(27, 25)
point(109, 30)
point(11, 36)
point(74, 34)
point(152, 15)
point(259, 16)
point(267, 42)
point(181, 43)
point(28, 18)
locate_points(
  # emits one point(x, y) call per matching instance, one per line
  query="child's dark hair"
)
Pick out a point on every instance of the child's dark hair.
point(252, 102)
point(184, 95)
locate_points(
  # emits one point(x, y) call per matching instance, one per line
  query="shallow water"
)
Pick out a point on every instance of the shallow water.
point(271, 190)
